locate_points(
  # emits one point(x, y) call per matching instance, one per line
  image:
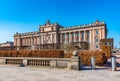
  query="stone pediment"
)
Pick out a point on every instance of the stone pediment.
point(48, 27)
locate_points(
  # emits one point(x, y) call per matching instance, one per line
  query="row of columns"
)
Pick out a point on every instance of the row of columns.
point(65, 37)
point(35, 40)
point(77, 36)
point(51, 39)
point(27, 41)
point(68, 37)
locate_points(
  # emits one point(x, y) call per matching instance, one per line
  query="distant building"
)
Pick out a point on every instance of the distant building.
point(7, 44)
point(49, 34)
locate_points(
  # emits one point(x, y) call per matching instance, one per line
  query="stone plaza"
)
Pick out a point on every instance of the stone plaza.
point(15, 73)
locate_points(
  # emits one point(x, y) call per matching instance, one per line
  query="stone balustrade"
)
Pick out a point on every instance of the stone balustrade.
point(13, 61)
point(82, 26)
point(70, 63)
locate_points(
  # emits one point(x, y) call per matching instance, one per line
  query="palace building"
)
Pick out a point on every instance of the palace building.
point(49, 34)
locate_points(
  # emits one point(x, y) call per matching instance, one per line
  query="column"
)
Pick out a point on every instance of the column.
point(42, 39)
point(25, 41)
point(32, 40)
point(61, 38)
point(79, 36)
point(74, 37)
point(65, 37)
point(70, 37)
point(100, 30)
point(29, 41)
point(22, 41)
point(36, 40)
point(93, 36)
point(52, 38)
point(19, 43)
point(103, 32)
point(90, 38)
point(84, 36)
point(15, 41)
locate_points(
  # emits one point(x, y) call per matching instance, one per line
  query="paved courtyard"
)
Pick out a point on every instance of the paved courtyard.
point(15, 73)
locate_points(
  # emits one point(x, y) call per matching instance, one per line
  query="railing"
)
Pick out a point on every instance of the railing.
point(43, 62)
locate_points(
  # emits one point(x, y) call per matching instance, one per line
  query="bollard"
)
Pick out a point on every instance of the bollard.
point(113, 63)
point(92, 63)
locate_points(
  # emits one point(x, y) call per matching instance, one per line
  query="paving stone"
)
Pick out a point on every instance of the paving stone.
point(14, 73)
point(52, 79)
point(20, 80)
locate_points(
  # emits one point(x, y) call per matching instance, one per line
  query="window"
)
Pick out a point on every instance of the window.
point(96, 40)
point(72, 34)
point(96, 46)
point(88, 40)
point(82, 34)
point(77, 36)
point(52, 28)
point(96, 32)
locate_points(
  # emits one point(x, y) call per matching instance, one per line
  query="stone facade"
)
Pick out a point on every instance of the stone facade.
point(57, 34)
point(7, 44)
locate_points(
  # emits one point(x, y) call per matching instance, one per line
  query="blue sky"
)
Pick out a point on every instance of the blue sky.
point(26, 15)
